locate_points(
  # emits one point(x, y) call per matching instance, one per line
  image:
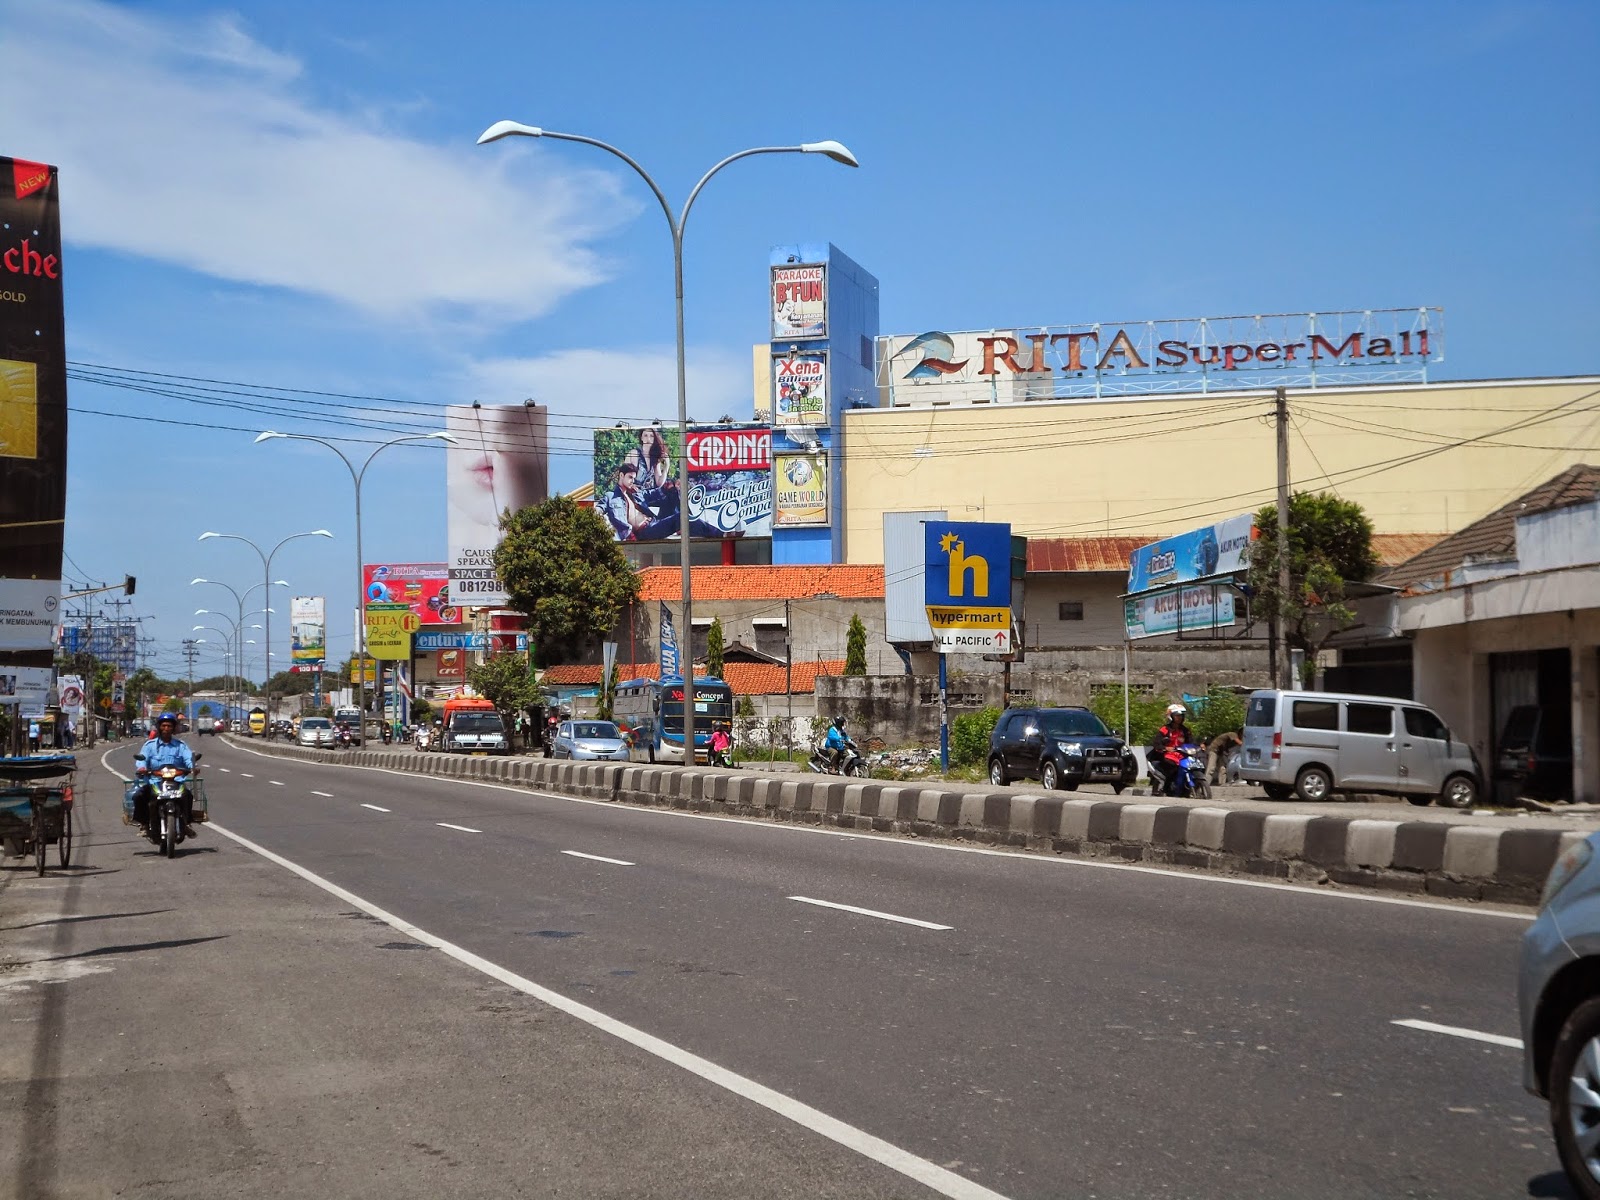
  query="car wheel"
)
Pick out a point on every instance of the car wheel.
point(1460, 791)
point(1049, 777)
point(1575, 1097)
point(1313, 784)
point(1277, 791)
point(997, 772)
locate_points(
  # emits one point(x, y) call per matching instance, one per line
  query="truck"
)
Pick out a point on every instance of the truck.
point(472, 726)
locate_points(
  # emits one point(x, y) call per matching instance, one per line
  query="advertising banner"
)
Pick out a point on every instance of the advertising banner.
point(801, 489)
point(26, 687)
point(730, 482)
point(389, 630)
point(1219, 549)
point(968, 567)
point(799, 302)
point(33, 402)
point(466, 640)
point(423, 586)
point(668, 642)
point(72, 696)
point(499, 463)
point(1198, 608)
point(308, 633)
point(800, 388)
point(452, 664)
point(119, 692)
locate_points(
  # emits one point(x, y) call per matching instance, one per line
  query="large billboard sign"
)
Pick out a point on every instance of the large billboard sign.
point(967, 585)
point(498, 463)
point(33, 401)
point(799, 302)
point(801, 482)
point(730, 482)
point(1220, 549)
point(1176, 609)
point(800, 388)
point(308, 633)
point(1146, 357)
point(423, 586)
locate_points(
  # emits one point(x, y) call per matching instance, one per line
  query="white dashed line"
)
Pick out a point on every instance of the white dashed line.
point(373, 807)
point(1494, 1039)
point(274, 783)
point(246, 775)
point(868, 912)
point(225, 770)
point(598, 858)
point(327, 795)
point(462, 828)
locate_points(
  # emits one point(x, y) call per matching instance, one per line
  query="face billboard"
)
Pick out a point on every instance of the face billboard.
point(423, 586)
point(730, 482)
point(308, 633)
point(498, 463)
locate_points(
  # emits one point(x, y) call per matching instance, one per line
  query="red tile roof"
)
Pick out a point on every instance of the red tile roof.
point(746, 679)
point(847, 582)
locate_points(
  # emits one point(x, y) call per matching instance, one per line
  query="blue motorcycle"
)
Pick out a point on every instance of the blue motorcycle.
point(1185, 779)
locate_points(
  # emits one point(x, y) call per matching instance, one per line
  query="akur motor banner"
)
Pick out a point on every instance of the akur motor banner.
point(33, 391)
point(1199, 610)
point(636, 482)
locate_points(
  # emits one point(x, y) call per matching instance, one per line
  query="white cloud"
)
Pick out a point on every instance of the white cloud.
point(191, 143)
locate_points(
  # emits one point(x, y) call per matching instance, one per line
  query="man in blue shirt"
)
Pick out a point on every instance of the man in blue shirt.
point(165, 750)
point(835, 743)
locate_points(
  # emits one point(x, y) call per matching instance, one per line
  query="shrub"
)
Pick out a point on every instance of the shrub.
point(1221, 710)
point(1147, 710)
point(969, 736)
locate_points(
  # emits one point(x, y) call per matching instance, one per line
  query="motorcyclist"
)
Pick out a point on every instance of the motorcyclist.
point(1165, 748)
point(165, 750)
point(835, 744)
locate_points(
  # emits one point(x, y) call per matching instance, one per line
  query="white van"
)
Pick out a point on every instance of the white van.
point(1312, 744)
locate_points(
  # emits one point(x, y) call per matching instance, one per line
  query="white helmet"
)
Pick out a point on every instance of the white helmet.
point(1177, 710)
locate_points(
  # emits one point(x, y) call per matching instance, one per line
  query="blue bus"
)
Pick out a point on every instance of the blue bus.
point(650, 712)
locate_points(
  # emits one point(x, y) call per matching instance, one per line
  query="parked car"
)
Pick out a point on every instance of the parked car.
point(1534, 754)
point(316, 731)
point(1558, 1000)
point(590, 740)
point(1313, 744)
point(1060, 747)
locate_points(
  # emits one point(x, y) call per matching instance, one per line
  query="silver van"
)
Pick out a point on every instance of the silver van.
point(1312, 744)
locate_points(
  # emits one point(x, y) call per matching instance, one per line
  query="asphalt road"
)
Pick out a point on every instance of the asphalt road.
point(1048, 1028)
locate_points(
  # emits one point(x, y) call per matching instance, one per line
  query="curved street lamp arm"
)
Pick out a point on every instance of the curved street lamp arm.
point(683, 217)
point(666, 209)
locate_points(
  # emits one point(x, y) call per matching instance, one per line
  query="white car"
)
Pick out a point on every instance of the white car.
point(317, 731)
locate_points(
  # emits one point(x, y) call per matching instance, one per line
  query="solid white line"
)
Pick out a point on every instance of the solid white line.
point(373, 807)
point(462, 828)
point(869, 912)
point(1494, 1039)
point(940, 1180)
point(598, 858)
point(274, 783)
point(328, 795)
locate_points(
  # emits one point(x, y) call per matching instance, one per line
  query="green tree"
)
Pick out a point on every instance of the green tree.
point(855, 648)
point(1221, 710)
point(205, 710)
point(503, 680)
point(421, 711)
point(1330, 547)
point(715, 645)
point(563, 568)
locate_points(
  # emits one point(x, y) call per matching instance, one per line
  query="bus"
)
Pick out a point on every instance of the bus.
point(650, 713)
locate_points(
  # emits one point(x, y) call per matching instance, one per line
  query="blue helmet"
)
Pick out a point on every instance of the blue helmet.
point(166, 716)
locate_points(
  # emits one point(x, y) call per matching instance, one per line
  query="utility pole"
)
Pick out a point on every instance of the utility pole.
point(191, 650)
point(1280, 641)
point(788, 676)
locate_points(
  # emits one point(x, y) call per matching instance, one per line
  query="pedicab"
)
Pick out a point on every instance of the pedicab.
point(36, 806)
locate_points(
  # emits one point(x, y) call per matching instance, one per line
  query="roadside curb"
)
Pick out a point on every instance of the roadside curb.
point(1465, 862)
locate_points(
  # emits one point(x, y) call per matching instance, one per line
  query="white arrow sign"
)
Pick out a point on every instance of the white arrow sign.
point(974, 641)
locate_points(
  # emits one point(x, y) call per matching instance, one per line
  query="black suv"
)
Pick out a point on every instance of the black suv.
point(1060, 747)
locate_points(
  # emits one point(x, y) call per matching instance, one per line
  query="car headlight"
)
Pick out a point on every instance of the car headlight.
point(1566, 868)
point(1072, 749)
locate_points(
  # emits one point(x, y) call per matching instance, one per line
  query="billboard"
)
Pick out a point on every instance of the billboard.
point(308, 633)
point(388, 631)
point(33, 404)
point(967, 585)
point(452, 664)
point(800, 388)
point(499, 462)
point(1168, 611)
point(800, 485)
point(799, 302)
point(1219, 549)
point(115, 642)
point(425, 587)
point(730, 482)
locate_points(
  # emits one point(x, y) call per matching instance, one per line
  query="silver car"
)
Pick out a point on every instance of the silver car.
point(316, 731)
point(1558, 996)
point(590, 740)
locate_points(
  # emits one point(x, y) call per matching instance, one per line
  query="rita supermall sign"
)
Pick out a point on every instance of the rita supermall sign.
point(1370, 345)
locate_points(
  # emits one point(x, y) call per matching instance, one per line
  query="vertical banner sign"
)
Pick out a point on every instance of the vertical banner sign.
point(800, 388)
point(669, 643)
point(801, 489)
point(71, 693)
point(119, 692)
point(33, 409)
point(308, 633)
point(499, 463)
point(799, 302)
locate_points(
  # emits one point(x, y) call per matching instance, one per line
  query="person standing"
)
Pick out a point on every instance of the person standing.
point(33, 736)
point(1222, 750)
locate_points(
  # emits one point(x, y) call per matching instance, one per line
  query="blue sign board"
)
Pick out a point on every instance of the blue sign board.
point(459, 641)
point(1220, 549)
point(967, 564)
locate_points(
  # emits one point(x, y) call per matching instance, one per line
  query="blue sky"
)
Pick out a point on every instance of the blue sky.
point(288, 194)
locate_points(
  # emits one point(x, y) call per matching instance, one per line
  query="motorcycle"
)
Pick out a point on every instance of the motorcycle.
point(423, 737)
point(850, 761)
point(168, 790)
point(343, 739)
point(1185, 779)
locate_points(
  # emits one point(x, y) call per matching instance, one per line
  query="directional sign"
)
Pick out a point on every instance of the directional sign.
point(975, 641)
point(967, 586)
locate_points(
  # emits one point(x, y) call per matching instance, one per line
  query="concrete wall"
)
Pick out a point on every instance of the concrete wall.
point(819, 628)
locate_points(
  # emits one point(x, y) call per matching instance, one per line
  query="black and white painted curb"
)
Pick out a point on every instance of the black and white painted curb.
point(1471, 862)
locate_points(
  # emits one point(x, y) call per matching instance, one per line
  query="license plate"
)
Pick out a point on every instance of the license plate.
point(1106, 772)
point(1253, 755)
point(480, 754)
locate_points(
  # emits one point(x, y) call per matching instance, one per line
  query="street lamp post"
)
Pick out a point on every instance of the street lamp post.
point(830, 149)
point(239, 598)
point(266, 583)
point(361, 584)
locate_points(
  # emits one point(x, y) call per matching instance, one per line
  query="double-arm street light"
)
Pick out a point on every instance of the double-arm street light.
point(356, 476)
point(239, 598)
point(829, 149)
point(266, 557)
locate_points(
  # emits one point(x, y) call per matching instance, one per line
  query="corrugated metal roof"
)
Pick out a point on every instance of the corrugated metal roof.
point(1059, 556)
point(847, 582)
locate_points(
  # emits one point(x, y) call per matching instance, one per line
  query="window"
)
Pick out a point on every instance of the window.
point(1369, 718)
point(1316, 714)
point(1424, 724)
point(1070, 610)
point(1263, 711)
point(1073, 724)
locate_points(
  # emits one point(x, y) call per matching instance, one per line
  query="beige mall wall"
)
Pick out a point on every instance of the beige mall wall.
point(1083, 468)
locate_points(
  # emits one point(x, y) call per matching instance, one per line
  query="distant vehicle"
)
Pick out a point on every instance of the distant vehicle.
point(650, 713)
point(1060, 747)
point(316, 731)
point(219, 726)
point(1534, 753)
point(475, 731)
point(590, 740)
point(258, 722)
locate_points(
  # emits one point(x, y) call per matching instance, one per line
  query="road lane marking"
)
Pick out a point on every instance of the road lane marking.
point(373, 807)
point(274, 783)
point(931, 1175)
point(247, 775)
point(225, 770)
point(870, 912)
point(599, 858)
point(1494, 1039)
point(462, 828)
point(329, 795)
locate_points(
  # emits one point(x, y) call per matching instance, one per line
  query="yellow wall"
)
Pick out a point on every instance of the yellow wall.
point(1161, 465)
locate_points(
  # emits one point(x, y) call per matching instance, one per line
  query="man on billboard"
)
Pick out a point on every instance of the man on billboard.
point(640, 514)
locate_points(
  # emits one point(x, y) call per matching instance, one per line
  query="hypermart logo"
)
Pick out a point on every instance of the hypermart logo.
point(967, 574)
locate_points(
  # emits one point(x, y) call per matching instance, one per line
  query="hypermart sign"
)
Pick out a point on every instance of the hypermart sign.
point(967, 585)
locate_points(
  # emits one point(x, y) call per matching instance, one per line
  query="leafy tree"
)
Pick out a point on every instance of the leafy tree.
point(421, 711)
point(504, 681)
point(291, 683)
point(1330, 547)
point(205, 710)
point(1147, 711)
point(714, 648)
point(855, 648)
point(1221, 710)
point(969, 736)
point(564, 570)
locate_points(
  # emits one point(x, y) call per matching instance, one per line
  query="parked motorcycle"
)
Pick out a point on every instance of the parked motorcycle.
point(850, 762)
point(1185, 779)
